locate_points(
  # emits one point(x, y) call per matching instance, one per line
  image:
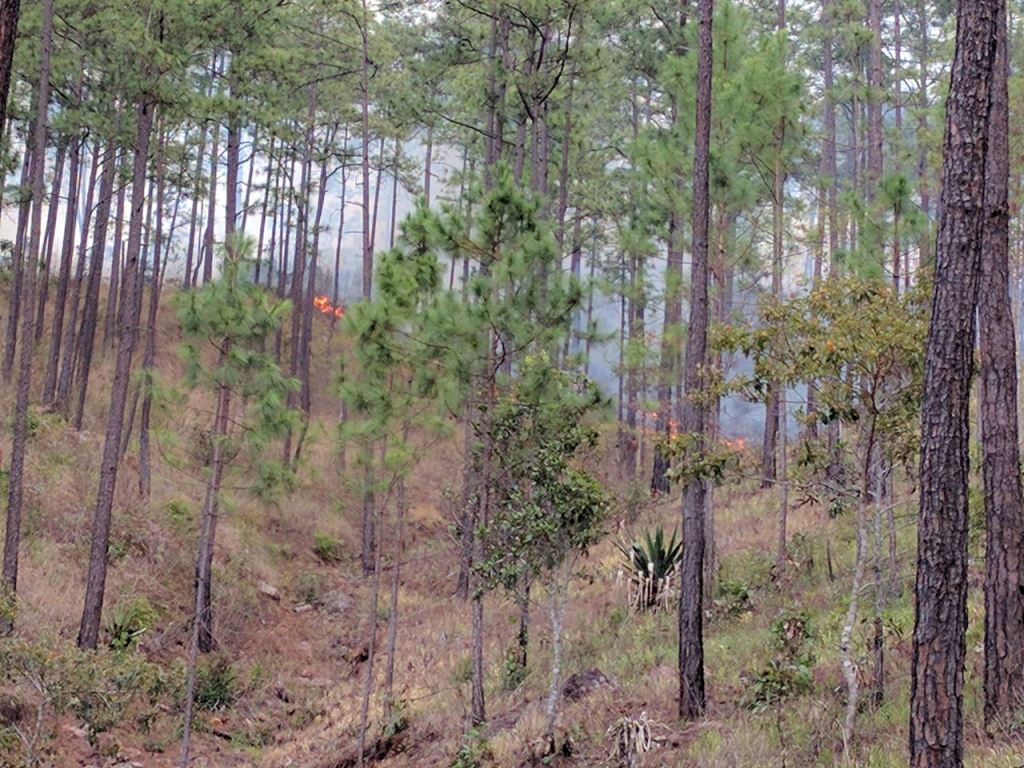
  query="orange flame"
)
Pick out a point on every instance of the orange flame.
point(323, 305)
point(735, 444)
point(673, 425)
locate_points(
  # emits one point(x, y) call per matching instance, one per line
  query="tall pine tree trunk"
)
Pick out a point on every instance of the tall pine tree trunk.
point(90, 315)
point(16, 478)
point(939, 647)
point(211, 217)
point(691, 594)
point(190, 256)
point(66, 374)
point(365, 149)
point(233, 161)
point(270, 182)
point(96, 579)
point(116, 257)
point(9, 13)
point(202, 623)
point(670, 329)
point(67, 249)
point(14, 305)
point(49, 235)
point(1004, 501)
point(149, 353)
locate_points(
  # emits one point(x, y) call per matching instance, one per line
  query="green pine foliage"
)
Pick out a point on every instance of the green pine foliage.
point(226, 325)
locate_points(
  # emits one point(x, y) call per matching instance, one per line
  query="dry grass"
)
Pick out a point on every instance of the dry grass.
point(301, 673)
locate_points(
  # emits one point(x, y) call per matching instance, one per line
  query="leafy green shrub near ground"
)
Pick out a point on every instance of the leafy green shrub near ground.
point(129, 622)
point(180, 515)
point(733, 597)
point(791, 672)
point(100, 688)
point(463, 670)
point(326, 548)
point(474, 751)
point(216, 685)
point(513, 674)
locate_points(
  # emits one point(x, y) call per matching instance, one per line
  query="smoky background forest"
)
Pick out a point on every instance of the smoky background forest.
point(511, 383)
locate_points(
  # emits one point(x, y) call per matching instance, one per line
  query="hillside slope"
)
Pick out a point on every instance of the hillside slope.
point(293, 616)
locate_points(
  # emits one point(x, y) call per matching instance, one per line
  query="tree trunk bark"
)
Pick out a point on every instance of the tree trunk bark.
point(270, 182)
point(233, 161)
point(89, 630)
point(190, 251)
point(394, 195)
point(14, 305)
point(427, 162)
point(67, 249)
point(1001, 472)
point(846, 635)
point(876, 94)
point(149, 353)
point(90, 316)
point(692, 699)
point(211, 218)
point(16, 482)
point(670, 339)
point(211, 508)
point(558, 588)
point(110, 320)
point(49, 235)
point(9, 13)
point(306, 394)
point(64, 378)
point(365, 149)
point(202, 624)
point(342, 200)
point(937, 659)
point(369, 528)
point(396, 581)
point(371, 658)
point(250, 173)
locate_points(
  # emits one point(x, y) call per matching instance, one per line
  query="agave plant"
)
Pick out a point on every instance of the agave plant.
point(651, 566)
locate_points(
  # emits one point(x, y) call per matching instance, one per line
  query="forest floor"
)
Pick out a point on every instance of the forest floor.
point(293, 612)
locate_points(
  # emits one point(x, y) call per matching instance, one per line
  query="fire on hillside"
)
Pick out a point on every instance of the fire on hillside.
point(323, 305)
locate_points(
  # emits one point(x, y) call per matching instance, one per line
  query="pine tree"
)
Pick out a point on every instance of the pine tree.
point(1004, 500)
point(939, 644)
point(692, 698)
point(231, 319)
point(16, 482)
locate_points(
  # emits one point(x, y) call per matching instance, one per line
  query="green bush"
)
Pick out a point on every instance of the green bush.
point(99, 688)
point(216, 686)
point(398, 721)
point(513, 674)
point(474, 751)
point(326, 548)
point(180, 515)
point(129, 622)
point(791, 672)
point(463, 671)
point(733, 597)
point(791, 632)
point(780, 680)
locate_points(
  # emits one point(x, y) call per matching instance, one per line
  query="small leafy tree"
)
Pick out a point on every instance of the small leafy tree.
point(547, 511)
point(862, 343)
